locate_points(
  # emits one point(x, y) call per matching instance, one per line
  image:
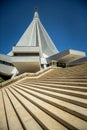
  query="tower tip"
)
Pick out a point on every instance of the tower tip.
point(36, 9)
point(36, 13)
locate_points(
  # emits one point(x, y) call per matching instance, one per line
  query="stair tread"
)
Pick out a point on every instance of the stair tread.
point(72, 107)
point(40, 115)
point(3, 122)
point(69, 87)
point(58, 89)
point(11, 113)
point(58, 94)
point(58, 113)
point(76, 83)
point(25, 117)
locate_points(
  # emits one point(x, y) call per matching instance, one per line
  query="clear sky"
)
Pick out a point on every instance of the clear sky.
point(64, 20)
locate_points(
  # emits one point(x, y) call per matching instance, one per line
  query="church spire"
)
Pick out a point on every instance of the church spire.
point(36, 15)
point(36, 9)
point(36, 35)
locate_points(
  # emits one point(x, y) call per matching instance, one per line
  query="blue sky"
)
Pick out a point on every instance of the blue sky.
point(64, 20)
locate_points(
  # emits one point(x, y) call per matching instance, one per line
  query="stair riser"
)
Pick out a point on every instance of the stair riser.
point(59, 106)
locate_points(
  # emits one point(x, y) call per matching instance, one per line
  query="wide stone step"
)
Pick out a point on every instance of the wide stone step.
point(11, 115)
point(65, 83)
point(61, 86)
point(64, 97)
point(44, 119)
point(59, 90)
point(68, 120)
point(27, 120)
point(57, 82)
point(3, 121)
point(68, 107)
point(68, 73)
point(65, 79)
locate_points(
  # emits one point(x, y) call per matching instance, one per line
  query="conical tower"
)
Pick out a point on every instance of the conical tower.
point(33, 47)
point(36, 35)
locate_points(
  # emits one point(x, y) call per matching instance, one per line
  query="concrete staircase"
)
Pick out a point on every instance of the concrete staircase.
point(55, 101)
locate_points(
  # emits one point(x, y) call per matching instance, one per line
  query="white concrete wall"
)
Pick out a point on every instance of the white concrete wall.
point(5, 69)
point(25, 59)
point(22, 49)
point(5, 58)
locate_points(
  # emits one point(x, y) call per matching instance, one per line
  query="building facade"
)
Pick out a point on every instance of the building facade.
point(35, 51)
